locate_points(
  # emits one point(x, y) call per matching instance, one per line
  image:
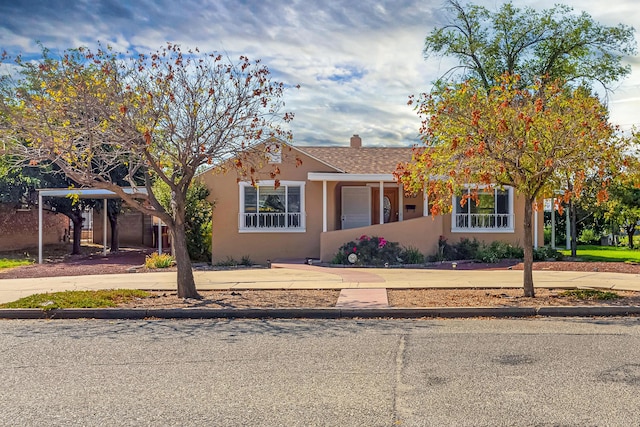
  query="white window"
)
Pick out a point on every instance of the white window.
point(492, 212)
point(265, 208)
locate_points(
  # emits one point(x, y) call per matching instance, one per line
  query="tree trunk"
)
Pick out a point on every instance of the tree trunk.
point(631, 230)
point(76, 218)
point(574, 229)
point(113, 222)
point(186, 282)
point(528, 249)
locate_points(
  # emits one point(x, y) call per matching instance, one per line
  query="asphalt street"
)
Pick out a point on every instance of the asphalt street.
point(529, 372)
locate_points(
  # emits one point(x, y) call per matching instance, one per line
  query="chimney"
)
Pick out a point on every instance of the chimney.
point(356, 141)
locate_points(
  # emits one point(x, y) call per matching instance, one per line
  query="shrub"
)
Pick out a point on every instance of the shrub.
point(546, 252)
point(246, 261)
point(411, 255)
point(472, 249)
point(228, 262)
point(498, 250)
point(369, 251)
point(588, 236)
point(465, 249)
point(156, 260)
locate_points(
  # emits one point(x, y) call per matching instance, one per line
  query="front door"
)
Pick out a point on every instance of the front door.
point(356, 207)
point(389, 205)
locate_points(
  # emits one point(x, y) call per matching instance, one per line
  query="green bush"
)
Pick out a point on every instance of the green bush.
point(465, 249)
point(228, 262)
point(546, 252)
point(411, 255)
point(369, 251)
point(498, 250)
point(588, 236)
point(472, 249)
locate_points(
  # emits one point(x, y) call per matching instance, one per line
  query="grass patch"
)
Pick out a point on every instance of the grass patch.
point(10, 263)
point(590, 294)
point(77, 299)
point(605, 253)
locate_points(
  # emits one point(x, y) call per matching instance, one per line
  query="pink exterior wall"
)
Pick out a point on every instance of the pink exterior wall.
point(19, 229)
point(228, 242)
point(421, 233)
point(416, 230)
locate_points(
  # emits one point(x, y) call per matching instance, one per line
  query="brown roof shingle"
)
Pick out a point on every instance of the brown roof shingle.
point(366, 160)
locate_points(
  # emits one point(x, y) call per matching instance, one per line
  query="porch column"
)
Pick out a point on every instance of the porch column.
point(381, 202)
point(400, 202)
point(39, 227)
point(159, 236)
point(324, 206)
point(104, 229)
point(425, 202)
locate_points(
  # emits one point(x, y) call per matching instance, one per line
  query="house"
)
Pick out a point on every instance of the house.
point(330, 195)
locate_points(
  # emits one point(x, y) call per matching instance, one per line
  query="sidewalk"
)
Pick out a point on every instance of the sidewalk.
point(300, 276)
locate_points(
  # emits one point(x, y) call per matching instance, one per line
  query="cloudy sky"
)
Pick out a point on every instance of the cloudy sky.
point(357, 61)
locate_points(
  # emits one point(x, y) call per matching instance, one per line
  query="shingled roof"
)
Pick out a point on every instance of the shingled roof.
point(362, 160)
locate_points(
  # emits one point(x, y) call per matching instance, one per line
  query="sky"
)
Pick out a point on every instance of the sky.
point(356, 61)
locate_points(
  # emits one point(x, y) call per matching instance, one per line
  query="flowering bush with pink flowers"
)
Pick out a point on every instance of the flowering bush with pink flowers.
point(369, 251)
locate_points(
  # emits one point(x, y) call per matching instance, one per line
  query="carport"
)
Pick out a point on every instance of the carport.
point(85, 193)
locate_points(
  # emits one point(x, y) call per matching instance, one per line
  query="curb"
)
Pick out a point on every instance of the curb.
point(317, 313)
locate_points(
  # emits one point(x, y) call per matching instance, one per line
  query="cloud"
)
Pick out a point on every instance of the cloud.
point(356, 62)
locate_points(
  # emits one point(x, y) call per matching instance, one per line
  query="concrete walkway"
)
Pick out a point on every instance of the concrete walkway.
point(299, 276)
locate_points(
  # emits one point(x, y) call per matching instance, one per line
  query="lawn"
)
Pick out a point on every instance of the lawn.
point(605, 253)
point(77, 299)
point(10, 263)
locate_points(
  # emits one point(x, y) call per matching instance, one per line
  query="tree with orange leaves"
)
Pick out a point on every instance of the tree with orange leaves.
point(165, 116)
point(537, 139)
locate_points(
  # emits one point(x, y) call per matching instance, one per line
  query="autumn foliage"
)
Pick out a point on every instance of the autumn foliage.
point(538, 139)
point(164, 116)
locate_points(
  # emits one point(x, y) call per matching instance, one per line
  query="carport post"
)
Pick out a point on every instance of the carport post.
point(39, 227)
point(104, 229)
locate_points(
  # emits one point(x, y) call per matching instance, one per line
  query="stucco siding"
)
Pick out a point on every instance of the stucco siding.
point(229, 242)
point(420, 233)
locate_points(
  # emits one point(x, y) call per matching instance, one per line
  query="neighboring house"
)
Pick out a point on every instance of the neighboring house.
point(331, 195)
point(19, 227)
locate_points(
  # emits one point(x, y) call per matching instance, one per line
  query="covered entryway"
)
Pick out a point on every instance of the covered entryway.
point(389, 199)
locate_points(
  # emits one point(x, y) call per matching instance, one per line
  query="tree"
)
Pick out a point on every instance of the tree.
point(549, 45)
point(530, 138)
point(623, 208)
point(165, 115)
